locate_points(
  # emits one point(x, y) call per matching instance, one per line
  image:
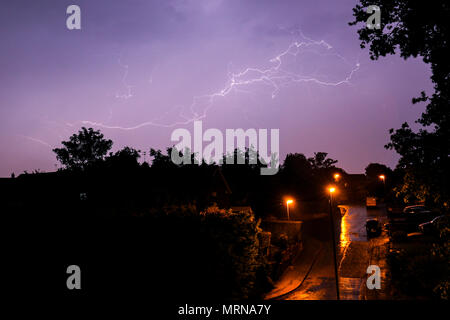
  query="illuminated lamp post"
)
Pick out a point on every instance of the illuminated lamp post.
point(288, 202)
point(331, 191)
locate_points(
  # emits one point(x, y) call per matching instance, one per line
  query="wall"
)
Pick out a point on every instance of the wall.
point(293, 229)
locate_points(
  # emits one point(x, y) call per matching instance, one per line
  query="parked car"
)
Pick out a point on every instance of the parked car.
point(403, 224)
point(373, 228)
point(431, 227)
point(418, 214)
point(399, 226)
point(417, 209)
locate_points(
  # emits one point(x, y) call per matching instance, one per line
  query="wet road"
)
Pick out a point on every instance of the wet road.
point(312, 276)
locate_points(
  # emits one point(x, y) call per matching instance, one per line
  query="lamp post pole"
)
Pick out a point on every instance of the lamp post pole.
point(383, 178)
point(334, 243)
point(287, 207)
point(288, 202)
point(288, 211)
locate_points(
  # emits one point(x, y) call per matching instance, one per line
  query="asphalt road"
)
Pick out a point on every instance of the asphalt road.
point(311, 277)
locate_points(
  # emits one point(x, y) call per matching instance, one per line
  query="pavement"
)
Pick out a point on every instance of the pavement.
point(311, 276)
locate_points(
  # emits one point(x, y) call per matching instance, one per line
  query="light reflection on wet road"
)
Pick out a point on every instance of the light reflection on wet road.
point(354, 256)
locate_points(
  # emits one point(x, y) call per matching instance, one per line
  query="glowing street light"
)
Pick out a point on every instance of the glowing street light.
point(337, 176)
point(288, 202)
point(383, 178)
point(332, 190)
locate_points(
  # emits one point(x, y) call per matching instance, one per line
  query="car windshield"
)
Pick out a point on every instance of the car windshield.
point(438, 219)
point(418, 210)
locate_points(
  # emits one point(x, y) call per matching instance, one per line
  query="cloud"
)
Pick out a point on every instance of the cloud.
point(189, 6)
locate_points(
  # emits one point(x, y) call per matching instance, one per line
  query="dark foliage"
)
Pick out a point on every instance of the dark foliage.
point(418, 28)
point(83, 149)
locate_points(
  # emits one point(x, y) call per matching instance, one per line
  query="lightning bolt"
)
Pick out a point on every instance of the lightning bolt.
point(129, 93)
point(275, 76)
point(42, 142)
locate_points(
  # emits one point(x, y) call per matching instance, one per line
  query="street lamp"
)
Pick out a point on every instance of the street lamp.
point(288, 202)
point(331, 191)
point(383, 178)
point(337, 176)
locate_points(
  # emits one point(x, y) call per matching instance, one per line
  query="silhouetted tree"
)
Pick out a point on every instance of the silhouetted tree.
point(320, 161)
point(297, 174)
point(418, 28)
point(83, 149)
point(124, 158)
point(375, 185)
point(307, 178)
point(161, 160)
point(374, 170)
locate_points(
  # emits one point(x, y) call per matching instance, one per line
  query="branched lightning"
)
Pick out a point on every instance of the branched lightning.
point(42, 142)
point(129, 93)
point(275, 77)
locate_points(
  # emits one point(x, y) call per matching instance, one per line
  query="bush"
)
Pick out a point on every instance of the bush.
point(441, 250)
point(423, 272)
point(216, 251)
point(413, 273)
point(282, 242)
point(234, 237)
point(442, 289)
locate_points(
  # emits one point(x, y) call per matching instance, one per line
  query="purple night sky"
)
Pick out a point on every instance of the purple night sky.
point(135, 68)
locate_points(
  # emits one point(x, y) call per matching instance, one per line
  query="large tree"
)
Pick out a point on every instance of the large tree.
point(418, 28)
point(83, 149)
